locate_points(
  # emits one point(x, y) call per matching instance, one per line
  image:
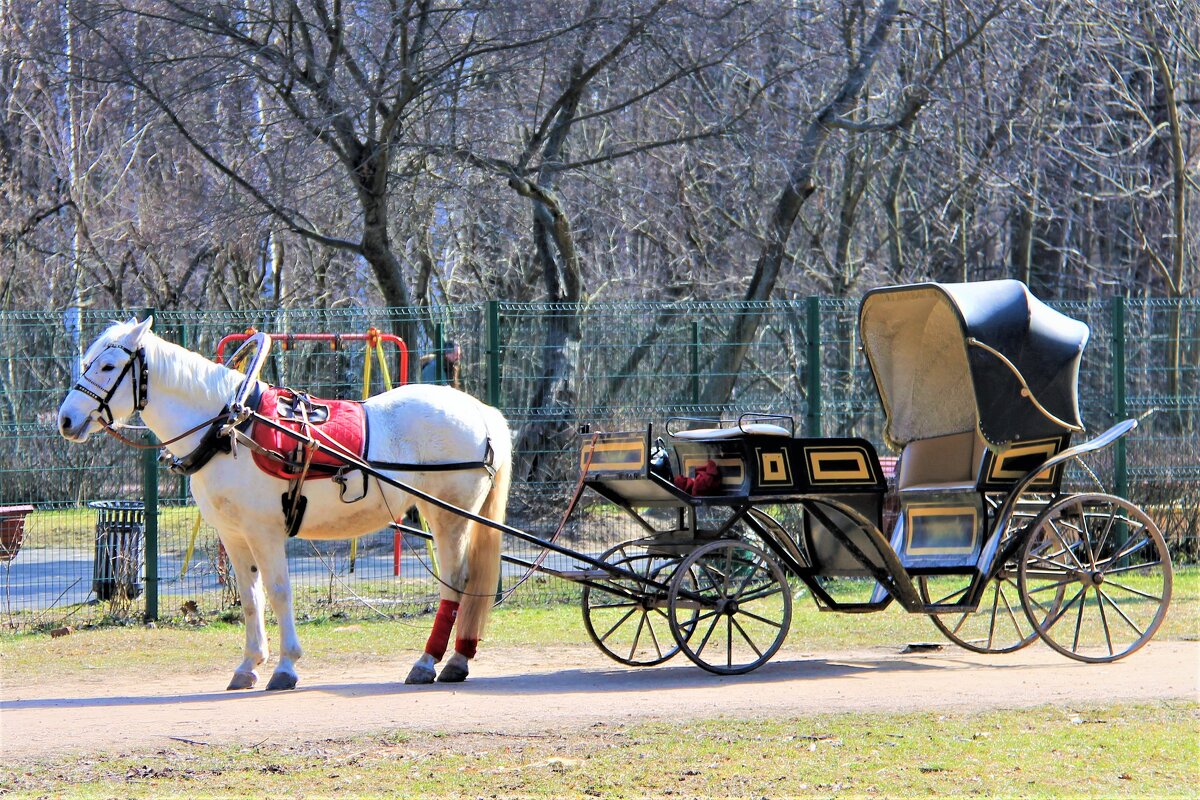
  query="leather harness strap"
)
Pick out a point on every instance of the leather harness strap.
point(216, 440)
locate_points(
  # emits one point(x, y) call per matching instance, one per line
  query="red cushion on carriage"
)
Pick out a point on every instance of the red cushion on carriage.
point(339, 424)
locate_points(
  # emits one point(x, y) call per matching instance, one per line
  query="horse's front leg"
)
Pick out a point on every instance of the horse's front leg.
point(272, 561)
point(251, 594)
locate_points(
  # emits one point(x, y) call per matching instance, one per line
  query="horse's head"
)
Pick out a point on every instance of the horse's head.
point(112, 381)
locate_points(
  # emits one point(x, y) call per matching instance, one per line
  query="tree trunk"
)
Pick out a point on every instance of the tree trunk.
point(799, 187)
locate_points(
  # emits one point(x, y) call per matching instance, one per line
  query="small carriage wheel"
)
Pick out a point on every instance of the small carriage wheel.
point(1108, 562)
point(998, 624)
point(730, 606)
point(631, 631)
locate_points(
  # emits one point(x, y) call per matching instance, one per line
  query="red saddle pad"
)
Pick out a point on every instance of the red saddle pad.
point(339, 424)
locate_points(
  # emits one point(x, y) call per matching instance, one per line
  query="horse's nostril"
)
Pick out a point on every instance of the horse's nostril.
point(66, 423)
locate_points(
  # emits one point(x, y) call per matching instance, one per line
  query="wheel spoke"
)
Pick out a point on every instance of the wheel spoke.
point(1108, 582)
point(746, 637)
point(1055, 585)
point(1108, 526)
point(1066, 548)
point(956, 593)
point(1057, 566)
point(1132, 568)
point(992, 618)
point(619, 623)
point(1011, 615)
point(1104, 620)
point(1079, 619)
point(729, 642)
point(760, 618)
point(704, 641)
point(637, 636)
point(1085, 536)
point(1128, 551)
point(1052, 620)
point(961, 621)
point(1123, 615)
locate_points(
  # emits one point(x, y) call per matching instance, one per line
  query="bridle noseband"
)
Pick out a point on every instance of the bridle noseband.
point(135, 364)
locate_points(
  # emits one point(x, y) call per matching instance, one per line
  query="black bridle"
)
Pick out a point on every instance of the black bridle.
point(136, 364)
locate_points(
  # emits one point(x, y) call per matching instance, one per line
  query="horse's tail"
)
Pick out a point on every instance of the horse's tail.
point(483, 556)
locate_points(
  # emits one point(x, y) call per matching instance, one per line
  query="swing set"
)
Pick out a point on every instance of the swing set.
point(374, 351)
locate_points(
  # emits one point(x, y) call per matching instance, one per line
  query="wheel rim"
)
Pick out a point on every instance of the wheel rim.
point(997, 625)
point(730, 607)
point(633, 632)
point(1107, 562)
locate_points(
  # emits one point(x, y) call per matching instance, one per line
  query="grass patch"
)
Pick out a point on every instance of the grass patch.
point(1144, 750)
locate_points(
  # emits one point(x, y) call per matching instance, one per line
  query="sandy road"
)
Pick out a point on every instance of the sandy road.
point(530, 692)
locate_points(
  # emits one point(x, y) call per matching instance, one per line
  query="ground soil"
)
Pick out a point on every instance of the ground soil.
point(557, 691)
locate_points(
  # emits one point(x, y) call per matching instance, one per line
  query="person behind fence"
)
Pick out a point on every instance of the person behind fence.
point(451, 357)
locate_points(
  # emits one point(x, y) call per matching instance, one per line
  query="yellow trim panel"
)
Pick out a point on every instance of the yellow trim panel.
point(733, 470)
point(824, 466)
point(947, 516)
point(774, 467)
point(1043, 447)
point(616, 454)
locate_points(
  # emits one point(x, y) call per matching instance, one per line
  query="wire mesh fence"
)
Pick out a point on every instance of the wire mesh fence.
point(550, 368)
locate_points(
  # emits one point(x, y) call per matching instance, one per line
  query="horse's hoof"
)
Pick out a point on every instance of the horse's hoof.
point(282, 680)
point(420, 674)
point(242, 680)
point(452, 673)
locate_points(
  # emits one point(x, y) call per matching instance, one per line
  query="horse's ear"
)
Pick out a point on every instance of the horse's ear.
point(139, 331)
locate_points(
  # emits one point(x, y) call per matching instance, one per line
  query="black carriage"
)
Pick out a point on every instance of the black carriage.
point(978, 382)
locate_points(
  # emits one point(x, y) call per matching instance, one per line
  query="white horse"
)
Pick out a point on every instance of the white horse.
point(129, 368)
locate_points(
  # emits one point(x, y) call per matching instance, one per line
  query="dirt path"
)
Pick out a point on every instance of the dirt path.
point(571, 688)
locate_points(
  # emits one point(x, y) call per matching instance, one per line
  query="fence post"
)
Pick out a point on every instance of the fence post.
point(1119, 409)
point(439, 359)
point(813, 375)
point(695, 363)
point(150, 520)
point(493, 353)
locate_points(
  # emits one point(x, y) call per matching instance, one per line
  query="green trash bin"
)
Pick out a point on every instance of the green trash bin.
point(120, 532)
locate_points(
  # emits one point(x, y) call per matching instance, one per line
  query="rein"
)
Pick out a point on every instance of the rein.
point(112, 431)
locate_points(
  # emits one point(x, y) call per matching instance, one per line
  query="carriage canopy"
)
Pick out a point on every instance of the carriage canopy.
point(986, 356)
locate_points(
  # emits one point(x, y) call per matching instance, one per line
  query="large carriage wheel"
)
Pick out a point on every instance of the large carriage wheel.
point(998, 624)
point(730, 606)
point(632, 631)
point(1108, 562)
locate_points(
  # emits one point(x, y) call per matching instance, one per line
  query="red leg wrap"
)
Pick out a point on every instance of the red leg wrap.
point(439, 637)
point(466, 647)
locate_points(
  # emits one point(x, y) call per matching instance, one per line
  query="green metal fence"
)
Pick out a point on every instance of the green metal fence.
point(550, 368)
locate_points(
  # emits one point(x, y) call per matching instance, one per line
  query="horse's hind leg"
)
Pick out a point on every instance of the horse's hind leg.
point(482, 572)
point(251, 594)
point(272, 561)
point(449, 537)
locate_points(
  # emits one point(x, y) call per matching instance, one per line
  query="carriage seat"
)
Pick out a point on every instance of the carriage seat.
point(943, 463)
point(733, 432)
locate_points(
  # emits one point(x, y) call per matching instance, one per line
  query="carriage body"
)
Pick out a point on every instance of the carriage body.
point(978, 382)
